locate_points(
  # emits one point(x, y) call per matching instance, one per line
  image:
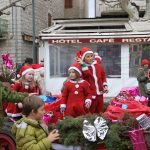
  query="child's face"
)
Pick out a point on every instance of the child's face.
point(39, 113)
point(72, 74)
point(29, 76)
point(88, 59)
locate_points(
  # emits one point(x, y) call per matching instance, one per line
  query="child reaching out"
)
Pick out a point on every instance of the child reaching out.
point(93, 73)
point(76, 95)
point(31, 132)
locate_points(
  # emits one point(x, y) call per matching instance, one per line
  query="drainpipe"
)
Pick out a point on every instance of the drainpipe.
point(16, 34)
point(12, 30)
point(33, 32)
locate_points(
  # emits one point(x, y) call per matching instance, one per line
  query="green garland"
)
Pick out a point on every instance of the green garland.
point(117, 138)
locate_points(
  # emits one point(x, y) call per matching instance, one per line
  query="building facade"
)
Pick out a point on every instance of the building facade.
point(17, 39)
point(121, 43)
point(120, 47)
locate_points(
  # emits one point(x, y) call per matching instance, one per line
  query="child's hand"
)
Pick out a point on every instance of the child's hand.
point(79, 60)
point(20, 105)
point(88, 103)
point(105, 89)
point(62, 108)
point(54, 135)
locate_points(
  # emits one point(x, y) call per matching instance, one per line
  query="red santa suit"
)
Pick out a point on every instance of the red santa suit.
point(75, 95)
point(12, 109)
point(19, 88)
point(95, 75)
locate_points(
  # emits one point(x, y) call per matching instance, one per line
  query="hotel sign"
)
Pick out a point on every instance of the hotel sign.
point(100, 40)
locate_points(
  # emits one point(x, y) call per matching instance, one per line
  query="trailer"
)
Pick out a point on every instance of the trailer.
point(7, 140)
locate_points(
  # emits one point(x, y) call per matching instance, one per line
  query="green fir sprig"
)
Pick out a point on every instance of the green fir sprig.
point(117, 137)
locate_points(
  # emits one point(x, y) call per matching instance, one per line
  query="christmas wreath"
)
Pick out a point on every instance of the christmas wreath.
point(72, 132)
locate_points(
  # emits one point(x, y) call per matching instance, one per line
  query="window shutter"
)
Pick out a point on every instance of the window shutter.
point(49, 20)
point(68, 3)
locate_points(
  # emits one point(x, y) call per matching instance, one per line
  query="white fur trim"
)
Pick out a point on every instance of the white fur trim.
point(84, 68)
point(88, 101)
point(80, 81)
point(18, 75)
point(87, 52)
point(104, 84)
point(63, 106)
point(26, 71)
point(75, 68)
point(14, 115)
point(101, 93)
point(39, 69)
point(95, 79)
point(93, 97)
point(98, 57)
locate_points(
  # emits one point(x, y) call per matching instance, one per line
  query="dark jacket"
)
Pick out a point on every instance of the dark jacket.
point(142, 77)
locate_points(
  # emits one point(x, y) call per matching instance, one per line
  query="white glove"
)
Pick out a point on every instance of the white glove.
point(20, 105)
point(62, 108)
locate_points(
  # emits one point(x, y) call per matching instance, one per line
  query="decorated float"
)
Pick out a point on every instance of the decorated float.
point(124, 125)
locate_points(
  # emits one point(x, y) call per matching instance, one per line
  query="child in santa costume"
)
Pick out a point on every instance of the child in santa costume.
point(76, 96)
point(25, 84)
point(93, 73)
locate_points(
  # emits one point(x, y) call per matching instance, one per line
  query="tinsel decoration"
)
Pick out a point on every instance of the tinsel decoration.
point(101, 127)
point(89, 131)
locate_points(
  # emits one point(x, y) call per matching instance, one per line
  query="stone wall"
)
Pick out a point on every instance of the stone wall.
point(78, 10)
point(56, 8)
point(20, 22)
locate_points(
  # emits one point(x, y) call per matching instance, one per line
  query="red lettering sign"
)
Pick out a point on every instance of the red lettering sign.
point(100, 40)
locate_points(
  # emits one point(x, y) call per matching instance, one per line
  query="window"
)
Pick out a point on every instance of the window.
point(49, 19)
point(111, 59)
point(68, 4)
point(137, 53)
point(62, 56)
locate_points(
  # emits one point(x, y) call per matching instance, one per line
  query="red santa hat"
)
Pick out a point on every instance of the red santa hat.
point(98, 57)
point(37, 66)
point(77, 67)
point(144, 62)
point(25, 69)
point(83, 51)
